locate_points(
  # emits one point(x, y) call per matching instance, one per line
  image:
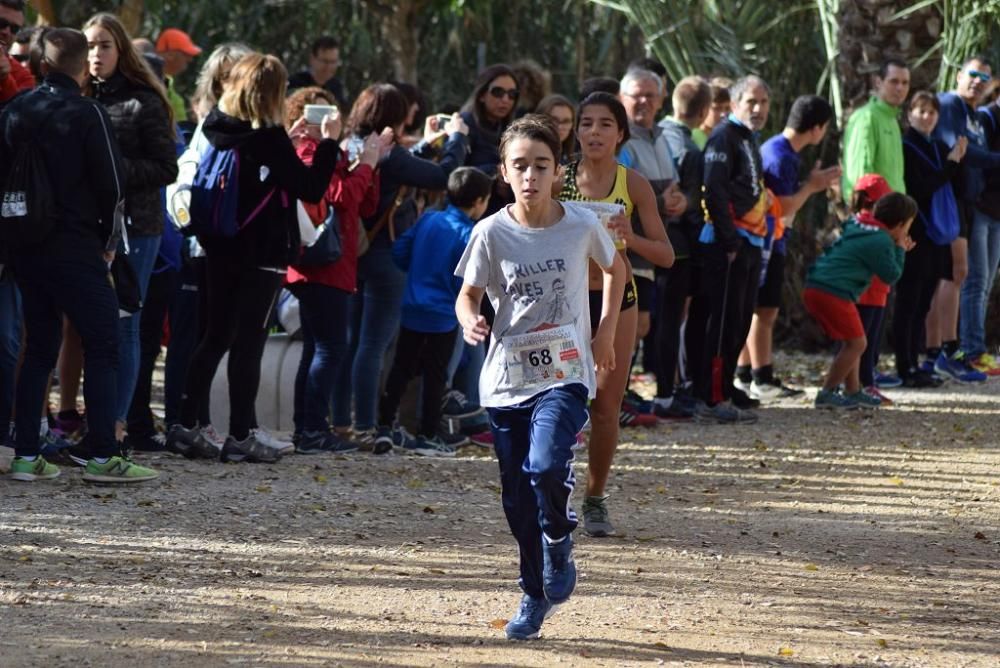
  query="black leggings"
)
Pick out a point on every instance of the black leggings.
point(914, 294)
point(239, 300)
point(418, 353)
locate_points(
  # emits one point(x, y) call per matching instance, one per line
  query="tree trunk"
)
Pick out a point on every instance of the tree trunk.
point(867, 37)
point(131, 13)
point(398, 26)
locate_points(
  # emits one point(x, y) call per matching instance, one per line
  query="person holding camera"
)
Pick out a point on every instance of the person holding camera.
point(244, 272)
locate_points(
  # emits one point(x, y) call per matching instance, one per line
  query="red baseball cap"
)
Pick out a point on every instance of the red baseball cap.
point(173, 39)
point(873, 185)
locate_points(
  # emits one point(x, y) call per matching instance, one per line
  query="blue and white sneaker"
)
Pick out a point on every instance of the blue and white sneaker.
point(558, 569)
point(957, 369)
point(927, 366)
point(527, 623)
point(887, 380)
point(387, 438)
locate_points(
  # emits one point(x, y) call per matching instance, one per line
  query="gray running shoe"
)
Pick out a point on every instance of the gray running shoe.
point(248, 450)
point(726, 413)
point(595, 517)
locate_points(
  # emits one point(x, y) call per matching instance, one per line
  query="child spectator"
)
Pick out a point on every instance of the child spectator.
point(429, 252)
point(872, 245)
point(531, 259)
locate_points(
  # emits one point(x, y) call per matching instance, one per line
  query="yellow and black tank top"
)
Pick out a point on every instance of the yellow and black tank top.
point(618, 194)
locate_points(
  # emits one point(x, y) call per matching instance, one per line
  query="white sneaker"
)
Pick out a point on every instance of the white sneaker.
point(269, 440)
point(212, 436)
point(740, 385)
point(765, 391)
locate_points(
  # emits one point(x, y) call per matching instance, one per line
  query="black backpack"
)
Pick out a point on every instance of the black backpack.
point(27, 211)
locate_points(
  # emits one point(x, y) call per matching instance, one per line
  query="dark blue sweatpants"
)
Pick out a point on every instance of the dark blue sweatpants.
point(534, 443)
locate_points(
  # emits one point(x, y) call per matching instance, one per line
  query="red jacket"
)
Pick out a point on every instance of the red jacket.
point(20, 78)
point(354, 195)
point(877, 293)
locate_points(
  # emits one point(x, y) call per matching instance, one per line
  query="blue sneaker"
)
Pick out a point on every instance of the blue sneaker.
point(885, 380)
point(927, 366)
point(558, 570)
point(527, 623)
point(957, 369)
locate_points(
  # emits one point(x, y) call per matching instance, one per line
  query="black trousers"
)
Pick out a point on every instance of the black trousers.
point(672, 287)
point(159, 294)
point(418, 353)
point(914, 293)
point(239, 300)
point(729, 291)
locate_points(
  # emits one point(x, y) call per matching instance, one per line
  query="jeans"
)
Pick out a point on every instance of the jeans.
point(426, 354)
point(187, 327)
point(10, 346)
point(323, 310)
point(74, 282)
point(240, 300)
point(534, 443)
point(984, 256)
point(374, 321)
point(872, 319)
point(159, 292)
point(142, 256)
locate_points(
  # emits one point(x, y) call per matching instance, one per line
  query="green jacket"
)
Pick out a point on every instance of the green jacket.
point(176, 101)
point(864, 250)
point(873, 144)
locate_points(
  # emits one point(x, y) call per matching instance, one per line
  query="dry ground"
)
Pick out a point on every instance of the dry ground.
point(808, 539)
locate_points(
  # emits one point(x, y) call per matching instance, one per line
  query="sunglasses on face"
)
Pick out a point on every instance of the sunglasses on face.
point(976, 74)
point(13, 27)
point(498, 92)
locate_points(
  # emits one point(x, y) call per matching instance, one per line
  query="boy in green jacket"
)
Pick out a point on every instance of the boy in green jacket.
point(873, 244)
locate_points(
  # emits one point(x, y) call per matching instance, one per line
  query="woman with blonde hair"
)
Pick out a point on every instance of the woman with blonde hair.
point(244, 271)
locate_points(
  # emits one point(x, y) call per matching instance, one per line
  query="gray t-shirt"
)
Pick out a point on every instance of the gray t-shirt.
point(536, 280)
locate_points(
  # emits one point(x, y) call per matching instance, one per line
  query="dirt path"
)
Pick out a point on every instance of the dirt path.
point(808, 539)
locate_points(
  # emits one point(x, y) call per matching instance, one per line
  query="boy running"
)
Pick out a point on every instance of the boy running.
point(530, 258)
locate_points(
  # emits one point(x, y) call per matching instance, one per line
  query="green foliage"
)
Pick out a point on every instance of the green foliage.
point(735, 38)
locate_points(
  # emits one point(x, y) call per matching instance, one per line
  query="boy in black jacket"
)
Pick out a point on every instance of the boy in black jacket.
point(67, 271)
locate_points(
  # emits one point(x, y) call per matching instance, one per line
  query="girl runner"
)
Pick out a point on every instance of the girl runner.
point(602, 128)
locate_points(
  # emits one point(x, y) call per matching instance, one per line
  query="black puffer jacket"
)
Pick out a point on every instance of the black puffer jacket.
point(142, 127)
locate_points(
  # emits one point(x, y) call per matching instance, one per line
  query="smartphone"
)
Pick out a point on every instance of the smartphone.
point(315, 113)
point(355, 145)
point(443, 120)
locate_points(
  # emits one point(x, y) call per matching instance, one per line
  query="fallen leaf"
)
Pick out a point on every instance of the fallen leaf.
point(416, 483)
point(428, 510)
point(980, 535)
point(812, 567)
point(881, 642)
point(320, 478)
point(264, 489)
point(896, 481)
point(786, 651)
point(498, 623)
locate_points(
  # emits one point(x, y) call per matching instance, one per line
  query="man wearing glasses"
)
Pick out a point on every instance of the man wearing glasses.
point(14, 77)
point(324, 61)
point(959, 118)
